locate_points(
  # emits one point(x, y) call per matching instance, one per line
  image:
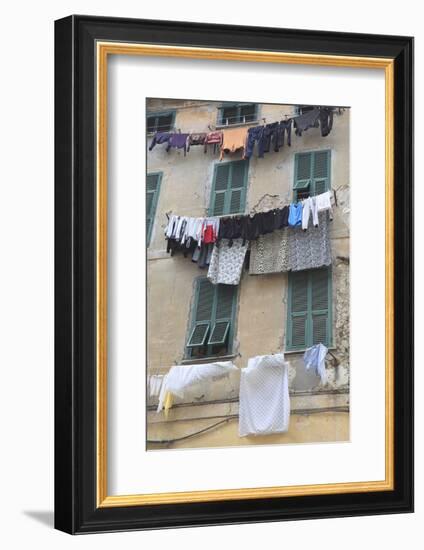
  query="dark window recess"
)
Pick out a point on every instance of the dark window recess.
point(212, 324)
point(160, 122)
point(237, 114)
point(302, 109)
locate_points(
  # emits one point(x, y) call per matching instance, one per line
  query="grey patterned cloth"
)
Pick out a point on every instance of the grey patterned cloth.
point(269, 253)
point(227, 262)
point(309, 249)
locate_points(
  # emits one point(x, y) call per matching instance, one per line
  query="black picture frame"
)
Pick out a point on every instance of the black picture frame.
point(76, 510)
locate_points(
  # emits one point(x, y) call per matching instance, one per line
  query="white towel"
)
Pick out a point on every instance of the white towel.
point(182, 377)
point(155, 384)
point(264, 396)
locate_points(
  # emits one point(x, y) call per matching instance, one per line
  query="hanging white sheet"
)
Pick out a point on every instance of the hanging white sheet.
point(182, 377)
point(264, 396)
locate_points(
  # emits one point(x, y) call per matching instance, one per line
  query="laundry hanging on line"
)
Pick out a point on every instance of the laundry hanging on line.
point(264, 402)
point(154, 384)
point(318, 117)
point(292, 249)
point(314, 359)
point(172, 139)
point(226, 263)
point(182, 378)
point(264, 396)
point(265, 137)
point(279, 240)
point(184, 229)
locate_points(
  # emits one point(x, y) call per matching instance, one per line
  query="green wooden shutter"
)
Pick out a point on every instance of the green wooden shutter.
point(213, 316)
point(219, 332)
point(237, 190)
point(298, 310)
point(225, 295)
point(319, 282)
point(321, 172)
point(219, 191)
point(312, 173)
point(152, 195)
point(198, 335)
point(203, 313)
point(229, 188)
point(309, 309)
point(302, 173)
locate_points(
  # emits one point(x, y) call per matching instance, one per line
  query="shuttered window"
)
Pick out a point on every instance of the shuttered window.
point(309, 309)
point(229, 188)
point(160, 122)
point(237, 113)
point(212, 323)
point(311, 174)
point(152, 195)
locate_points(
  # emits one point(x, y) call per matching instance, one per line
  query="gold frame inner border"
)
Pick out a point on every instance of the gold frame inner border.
point(104, 49)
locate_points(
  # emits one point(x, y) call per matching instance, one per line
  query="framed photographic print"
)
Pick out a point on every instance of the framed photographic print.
point(233, 272)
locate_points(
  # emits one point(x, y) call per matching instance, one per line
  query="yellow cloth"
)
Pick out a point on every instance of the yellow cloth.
point(233, 139)
point(169, 400)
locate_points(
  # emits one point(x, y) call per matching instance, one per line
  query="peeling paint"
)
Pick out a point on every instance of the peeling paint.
point(262, 302)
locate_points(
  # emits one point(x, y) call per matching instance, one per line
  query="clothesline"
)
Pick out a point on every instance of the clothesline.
point(159, 374)
point(234, 138)
point(248, 226)
point(253, 211)
point(264, 400)
point(273, 247)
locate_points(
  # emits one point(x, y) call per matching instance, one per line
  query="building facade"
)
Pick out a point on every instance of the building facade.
point(265, 313)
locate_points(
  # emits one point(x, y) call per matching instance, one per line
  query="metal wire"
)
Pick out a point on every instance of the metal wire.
point(341, 409)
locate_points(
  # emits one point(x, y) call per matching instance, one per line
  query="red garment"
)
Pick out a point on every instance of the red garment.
point(209, 235)
point(213, 138)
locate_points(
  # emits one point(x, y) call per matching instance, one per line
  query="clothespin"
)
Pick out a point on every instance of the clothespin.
point(335, 197)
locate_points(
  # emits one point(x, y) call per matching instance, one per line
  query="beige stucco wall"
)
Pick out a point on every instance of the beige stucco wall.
point(261, 317)
point(304, 428)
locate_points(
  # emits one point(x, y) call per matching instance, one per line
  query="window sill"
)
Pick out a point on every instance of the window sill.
point(151, 134)
point(239, 124)
point(299, 351)
point(208, 359)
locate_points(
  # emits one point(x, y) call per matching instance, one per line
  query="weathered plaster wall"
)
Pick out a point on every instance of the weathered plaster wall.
point(304, 428)
point(261, 318)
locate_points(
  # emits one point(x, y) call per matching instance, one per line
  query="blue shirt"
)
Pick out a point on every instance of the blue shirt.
point(295, 214)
